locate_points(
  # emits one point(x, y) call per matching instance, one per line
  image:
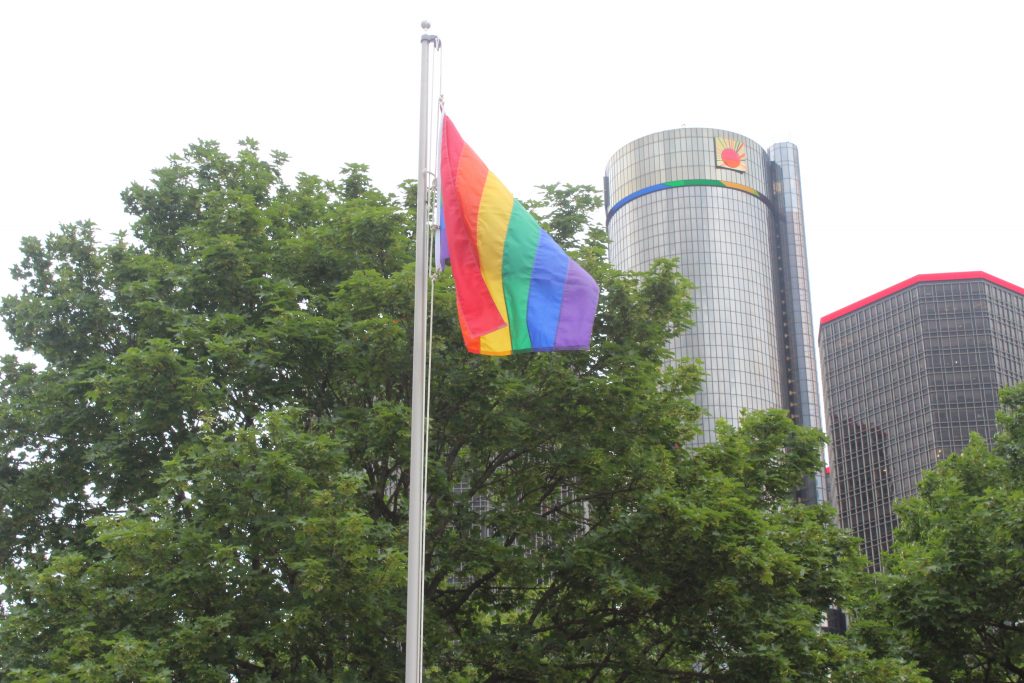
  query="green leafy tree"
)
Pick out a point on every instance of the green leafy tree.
point(205, 479)
point(952, 596)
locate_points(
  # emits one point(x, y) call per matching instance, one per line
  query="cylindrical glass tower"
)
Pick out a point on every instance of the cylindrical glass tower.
point(730, 215)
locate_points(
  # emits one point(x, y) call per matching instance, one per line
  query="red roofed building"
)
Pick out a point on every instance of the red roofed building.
point(908, 373)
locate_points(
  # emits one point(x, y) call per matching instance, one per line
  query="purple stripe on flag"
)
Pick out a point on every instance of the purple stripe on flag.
point(579, 304)
point(441, 257)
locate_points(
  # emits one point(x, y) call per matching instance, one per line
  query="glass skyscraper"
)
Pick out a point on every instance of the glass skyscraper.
point(730, 214)
point(908, 374)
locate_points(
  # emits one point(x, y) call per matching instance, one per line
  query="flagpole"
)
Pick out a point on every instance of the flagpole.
point(417, 447)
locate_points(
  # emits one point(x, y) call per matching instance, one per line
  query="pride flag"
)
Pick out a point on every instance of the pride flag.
point(515, 288)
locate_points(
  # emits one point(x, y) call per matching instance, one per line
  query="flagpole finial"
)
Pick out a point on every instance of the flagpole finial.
point(426, 37)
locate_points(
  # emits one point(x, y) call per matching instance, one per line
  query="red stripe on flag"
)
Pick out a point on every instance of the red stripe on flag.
point(462, 177)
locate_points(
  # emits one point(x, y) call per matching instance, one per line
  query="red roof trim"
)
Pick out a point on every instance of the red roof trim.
point(917, 279)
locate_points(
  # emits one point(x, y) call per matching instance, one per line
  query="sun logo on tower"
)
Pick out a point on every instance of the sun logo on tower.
point(731, 154)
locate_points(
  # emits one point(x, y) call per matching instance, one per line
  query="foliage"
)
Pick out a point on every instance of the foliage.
point(952, 596)
point(205, 477)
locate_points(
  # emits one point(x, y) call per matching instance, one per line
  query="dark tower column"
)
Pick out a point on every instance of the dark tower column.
point(801, 370)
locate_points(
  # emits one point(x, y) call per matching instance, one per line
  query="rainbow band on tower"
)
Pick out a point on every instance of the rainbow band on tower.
point(702, 182)
point(515, 288)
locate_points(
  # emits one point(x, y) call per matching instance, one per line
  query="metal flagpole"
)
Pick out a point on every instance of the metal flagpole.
point(417, 448)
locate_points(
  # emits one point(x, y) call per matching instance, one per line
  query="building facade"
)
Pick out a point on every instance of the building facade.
point(730, 214)
point(908, 374)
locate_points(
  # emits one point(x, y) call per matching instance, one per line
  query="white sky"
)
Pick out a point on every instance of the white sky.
point(905, 113)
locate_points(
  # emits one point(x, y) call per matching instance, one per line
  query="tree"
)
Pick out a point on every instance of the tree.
point(953, 593)
point(206, 477)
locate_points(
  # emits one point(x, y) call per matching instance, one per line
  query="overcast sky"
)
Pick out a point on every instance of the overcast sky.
point(907, 115)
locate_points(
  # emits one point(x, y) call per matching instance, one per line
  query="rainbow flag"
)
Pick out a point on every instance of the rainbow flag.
point(515, 288)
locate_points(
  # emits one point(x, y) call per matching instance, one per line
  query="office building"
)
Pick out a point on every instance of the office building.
point(908, 374)
point(730, 214)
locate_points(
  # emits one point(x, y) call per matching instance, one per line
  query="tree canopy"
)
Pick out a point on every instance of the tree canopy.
point(205, 477)
point(952, 595)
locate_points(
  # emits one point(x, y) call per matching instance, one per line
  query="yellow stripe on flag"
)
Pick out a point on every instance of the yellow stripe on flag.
point(492, 224)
